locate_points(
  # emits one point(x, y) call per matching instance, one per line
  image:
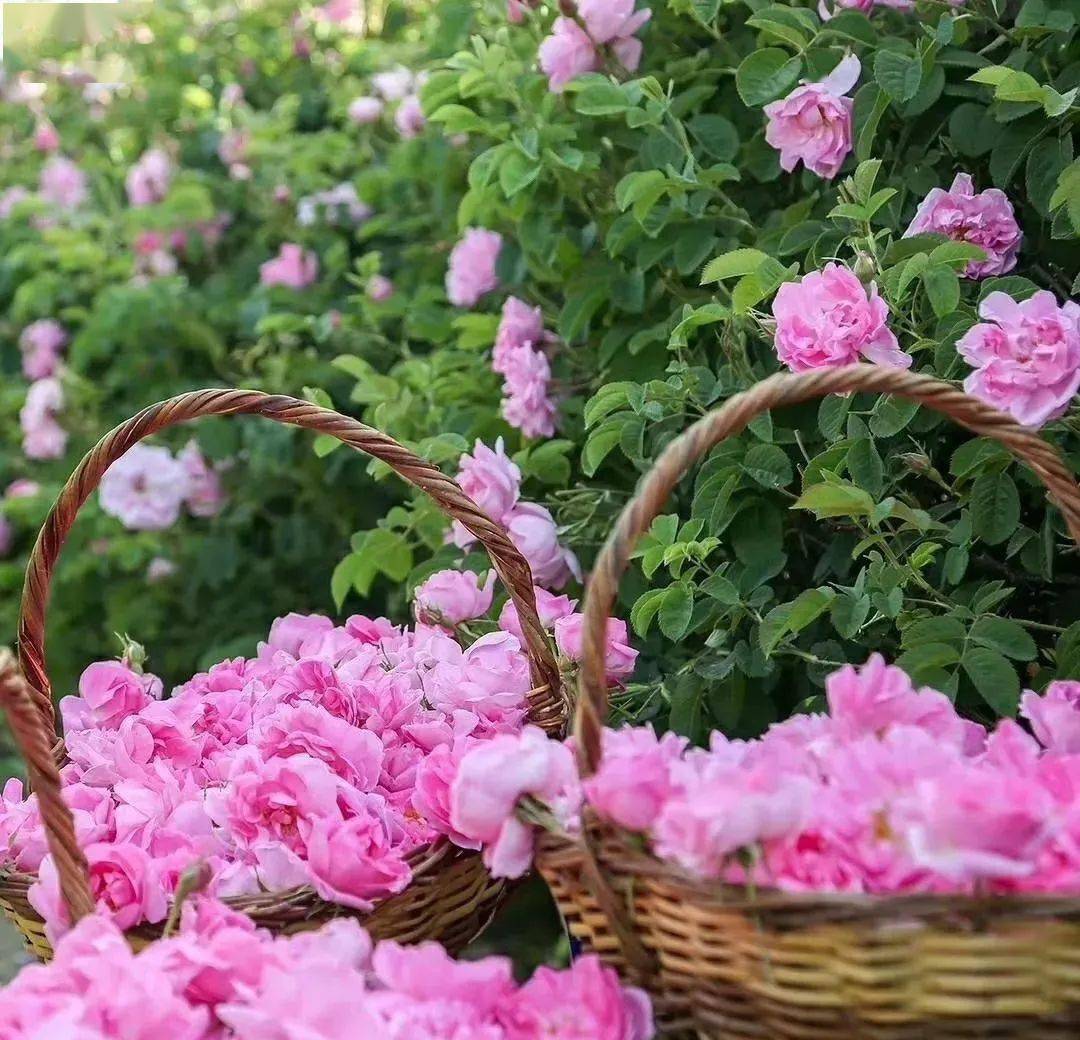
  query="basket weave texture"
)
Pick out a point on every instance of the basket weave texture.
point(726, 962)
point(451, 896)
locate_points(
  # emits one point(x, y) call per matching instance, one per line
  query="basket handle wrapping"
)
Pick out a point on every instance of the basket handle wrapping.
point(35, 731)
point(731, 418)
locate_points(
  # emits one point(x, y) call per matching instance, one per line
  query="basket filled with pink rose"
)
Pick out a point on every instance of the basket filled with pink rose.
point(886, 871)
point(302, 784)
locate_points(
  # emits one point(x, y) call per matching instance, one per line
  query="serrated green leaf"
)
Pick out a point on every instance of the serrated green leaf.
point(994, 678)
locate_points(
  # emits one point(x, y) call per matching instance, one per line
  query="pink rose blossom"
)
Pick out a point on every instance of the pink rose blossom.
point(394, 84)
point(337, 12)
point(409, 117)
point(22, 488)
point(233, 147)
point(532, 529)
point(812, 124)
point(527, 405)
point(566, 54)
point(549, 608)
point(43, 436)
point(42, 344)
point(337, 206)
point(363, 110)
point(434, 778)
point(205, 495)
point(635, 778)
point(609, 20)
point(159, 569)
point(619, 656)
point(288, 633)
point(149, 179)
point(294, 267)
point(232, 94)
point(62, 184)
point(471, 273)
point(452, 597)
point(492, 480)
point(829, 318)
point(109, 692)
point(1026, 356)
point(46, 139)
point(520, 326)
point(379, 288)
point(145, 488)
point(1055, 716)
point(11, 198)
point(985, 219)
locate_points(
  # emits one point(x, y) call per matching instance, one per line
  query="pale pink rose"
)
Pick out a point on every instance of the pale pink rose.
point(159, 569)
point(124, 882)
point(240, 172)
point(520, 326)
point(355, 862)
point(394, 84)
point(634, 779)
point(337, 206)
point(609, 20)
point(233, 147)
point(492, 480)
point(866, 6)
point(7, 536)
point(829, 318)
point(619, 656)
point(371, 630)
point(585, 1000)
point(337, 12)
point(363, 110)
point(294, 267)
point(1026, 356)
point(532, 529)
point(42, 344)
point(205, 495)
point(452, 597)
point(812, 124)
point(409, 117)
point(11, 198)
point(471, 273)
point(985, 219)
point(232, 94)
point(43, 436)
point(627, 49)
point(1055, 716)
point(566, 54)
point(289, 632)
point(549, 608)
point(62, 184)
point(109, 692)
point(431, 798)
point(149, 179)
point(145, 488)
point(46, 139)
point(515, 11)
point(22, 488)
point(379, 288)
point(526, 404)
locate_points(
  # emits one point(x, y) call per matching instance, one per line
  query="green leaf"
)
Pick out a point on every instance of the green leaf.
point(712, 502)
point(677, 610)
point(865, 466)
point(897, 74)
point(601, 98)
point(735, 264)
point(972, 129)
point(642, 190)
point(716, 134)
point(994, 678)
point(840, 499)
point(995, 507)
point(942, 289)
point(765, 75)
point(791, 618)
point(599, 445)
point(769, 466)
point(891, 415)
point(516, 173)
point(926, 659)
point(1005, 636)
point(645, 609)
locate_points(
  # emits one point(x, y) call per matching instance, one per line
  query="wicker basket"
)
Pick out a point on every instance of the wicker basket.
point(727, 962)
point(451, 896)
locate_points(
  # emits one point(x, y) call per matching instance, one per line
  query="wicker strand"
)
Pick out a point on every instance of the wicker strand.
point(731, 418)
point(30, 707)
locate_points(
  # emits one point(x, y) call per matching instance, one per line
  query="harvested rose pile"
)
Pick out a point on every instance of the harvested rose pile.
point(891, 792)
point(220, 978)
point(322, 761)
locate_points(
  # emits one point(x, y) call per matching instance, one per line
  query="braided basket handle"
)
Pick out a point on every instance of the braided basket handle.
point(731, 418)
point(546, 705)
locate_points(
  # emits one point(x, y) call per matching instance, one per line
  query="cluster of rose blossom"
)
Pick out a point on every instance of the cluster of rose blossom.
point(891, 792)
point(471, 272)
point(294, 267)
point(399, 86)
point(148, 180)
point(493, 481)
point(520, 358)
point(233, 152)
point(42, 344)
point(146, 487)
point(62, 184)
point(337, 205)
point(43, 436)
point(219, 977)
point(580, 44)
point(321, 761)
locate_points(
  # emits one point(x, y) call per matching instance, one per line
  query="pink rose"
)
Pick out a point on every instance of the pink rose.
point(471, 273)
point(492, 480)
point(549, 608)
point(288, 633)
point(619, 656)
point(490, 681)
point(159, 569)
point(1055, 716)
point(609, 20)
point(363, 110)
point(532, 529)
point(1026, 356)
point(584, 1000)
point(813, 123)
point(42, 343)
point(566, 54)
point(409, 117)
point(829, 319)
point(394, 84)
point(337, 12)
point(527, 405)
point(520, 326)
point(43, 436)
point(379, 288)
point(145, 488)
point(11, 198)
point(124, 882)
point(46, 139)
point(431, 798)
point(62, 184)
point(149, 179)
point(985, 220)
point(451, 597)
point(355, 862)
point(205, 495)
point(294, 267)
point(233, 147)
point(22, 488)
point(109, 692)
